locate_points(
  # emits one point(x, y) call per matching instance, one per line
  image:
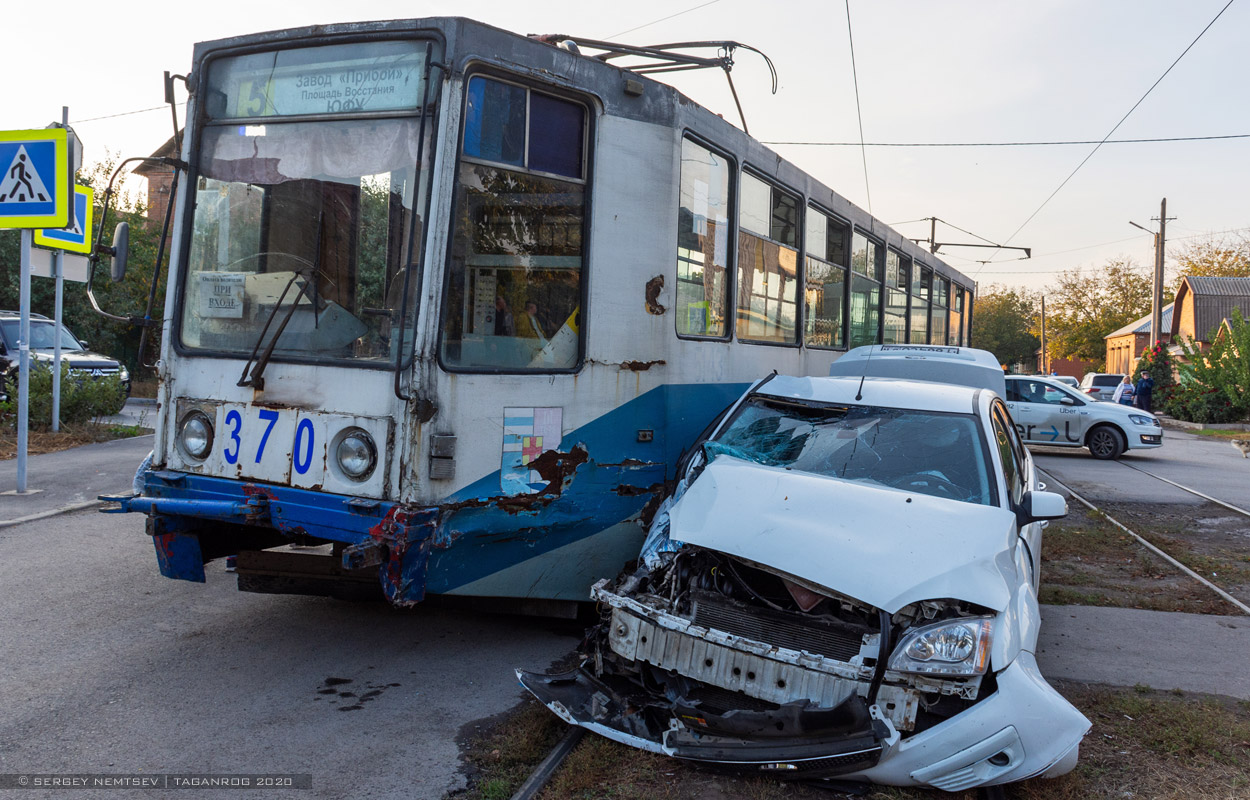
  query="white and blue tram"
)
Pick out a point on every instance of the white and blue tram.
point(447, 303)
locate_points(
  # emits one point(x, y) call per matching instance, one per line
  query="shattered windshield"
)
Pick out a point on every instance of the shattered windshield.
point(927, 452)
point(327, 211)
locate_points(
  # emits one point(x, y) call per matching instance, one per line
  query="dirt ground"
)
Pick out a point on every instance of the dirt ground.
point(1088, 561)
point(1144, 744)
point(39, 442)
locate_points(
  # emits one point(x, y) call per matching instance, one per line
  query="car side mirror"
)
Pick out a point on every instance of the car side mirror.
point(83, 344)
point(1040, 505)
point(119, 251)
point(1067, 401)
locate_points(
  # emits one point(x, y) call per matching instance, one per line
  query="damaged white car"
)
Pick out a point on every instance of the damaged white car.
point(842, 585)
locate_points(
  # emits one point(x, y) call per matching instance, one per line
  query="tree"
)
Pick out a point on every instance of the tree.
point(118, 339)
point(1084, 307)
point(1004, 319)
point(1216, 256)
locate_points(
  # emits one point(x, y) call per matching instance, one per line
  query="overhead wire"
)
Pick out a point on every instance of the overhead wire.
point(859, 111)
point(663, 19)
point(123, 114)
point(1116, 127)
point(1019, 144)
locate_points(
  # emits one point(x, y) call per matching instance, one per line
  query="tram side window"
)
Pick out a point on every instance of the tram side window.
point(517, 252)
point(921, 278)
point(957, 314)
point(865, 290)
point(703, 242)
point(895, 323)
point(937, 317)
point(824, 288)
point(768, 262)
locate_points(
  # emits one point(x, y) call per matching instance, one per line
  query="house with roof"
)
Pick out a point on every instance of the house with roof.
point(1126, 345)
point(1204, 303)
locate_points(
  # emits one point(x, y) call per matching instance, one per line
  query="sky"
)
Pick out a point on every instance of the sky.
point(956, 71)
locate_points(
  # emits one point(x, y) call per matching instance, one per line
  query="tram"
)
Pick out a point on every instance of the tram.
point(447, 303)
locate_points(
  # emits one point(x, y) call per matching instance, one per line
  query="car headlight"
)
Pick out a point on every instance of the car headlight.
point(124, 374)
point(953, 647)
point(1141, 419)
point(195, 435)
point(356, 454)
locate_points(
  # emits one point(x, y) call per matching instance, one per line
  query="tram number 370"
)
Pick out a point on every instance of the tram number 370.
point(301, 452)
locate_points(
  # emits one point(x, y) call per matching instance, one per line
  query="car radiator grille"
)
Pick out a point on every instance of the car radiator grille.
point(779, 628)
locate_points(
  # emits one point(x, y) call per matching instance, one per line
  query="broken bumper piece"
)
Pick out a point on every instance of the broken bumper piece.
point(793, 741)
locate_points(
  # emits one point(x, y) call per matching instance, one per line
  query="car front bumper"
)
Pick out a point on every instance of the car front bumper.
point(1025, 729)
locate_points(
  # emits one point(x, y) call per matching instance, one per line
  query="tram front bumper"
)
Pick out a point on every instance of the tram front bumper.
point(194, 519)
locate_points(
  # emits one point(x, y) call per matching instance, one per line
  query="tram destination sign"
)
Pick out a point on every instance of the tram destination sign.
point(372, 83)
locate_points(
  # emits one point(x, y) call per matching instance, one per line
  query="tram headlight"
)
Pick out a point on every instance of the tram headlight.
point(195, 435)
point(356, 454)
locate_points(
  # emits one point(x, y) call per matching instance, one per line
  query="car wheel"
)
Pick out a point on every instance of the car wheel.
point(1105, 442)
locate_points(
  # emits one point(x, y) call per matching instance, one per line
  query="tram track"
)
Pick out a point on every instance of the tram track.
point(1245, 609)
point(1192, 491)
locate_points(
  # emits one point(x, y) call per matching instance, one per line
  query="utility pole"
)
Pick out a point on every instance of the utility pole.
point(1156, 308)
point(1042, 366)
point(1156, 300)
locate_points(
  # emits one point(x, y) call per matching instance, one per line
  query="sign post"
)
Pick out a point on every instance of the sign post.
point(76, 238)
point(35, 191)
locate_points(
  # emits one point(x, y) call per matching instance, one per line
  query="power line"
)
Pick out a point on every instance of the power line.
point(123, 114)
point(858, 111)
point(1141, 267)
point(663, 19)
point(1017, 144)
point(1118, 124)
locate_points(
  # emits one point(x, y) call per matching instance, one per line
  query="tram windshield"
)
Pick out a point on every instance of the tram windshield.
point(308, 202)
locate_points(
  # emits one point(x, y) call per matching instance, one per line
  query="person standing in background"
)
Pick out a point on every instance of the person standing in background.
point(1124, 392)
point(1143, 390)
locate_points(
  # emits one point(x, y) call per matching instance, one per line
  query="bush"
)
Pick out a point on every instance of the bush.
point(1197, 404)
point(83, 398)
point(1158, 362)
point(1215, 387)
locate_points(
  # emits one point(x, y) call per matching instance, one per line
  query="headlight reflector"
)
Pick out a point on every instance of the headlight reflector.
point(356, 454)
point(953, 647)
point(195, 435)
point(1141, 419)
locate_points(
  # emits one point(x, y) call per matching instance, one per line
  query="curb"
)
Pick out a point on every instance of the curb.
point(8, 523)
point(1182, 425)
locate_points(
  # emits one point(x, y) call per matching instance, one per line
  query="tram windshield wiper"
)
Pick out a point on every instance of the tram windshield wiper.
point(256, 379)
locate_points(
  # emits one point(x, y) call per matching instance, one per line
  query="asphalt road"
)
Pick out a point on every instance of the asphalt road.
point(1210, 465)
point(108, 667)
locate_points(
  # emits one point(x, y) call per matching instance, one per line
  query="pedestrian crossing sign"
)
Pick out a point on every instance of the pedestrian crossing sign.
point(75, 238)
point(35, 181)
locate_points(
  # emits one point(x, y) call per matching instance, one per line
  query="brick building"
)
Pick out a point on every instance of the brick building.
point(1125, 346)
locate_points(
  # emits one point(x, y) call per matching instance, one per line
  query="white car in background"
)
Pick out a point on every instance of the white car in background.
point(1050, 413)
point(1100, 385)
point(842, 584)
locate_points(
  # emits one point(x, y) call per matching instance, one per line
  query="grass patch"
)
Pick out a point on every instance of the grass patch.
point(39, 442)
point(144, 388)
point(1221, 434)
point(1088, 561)
point(1144, 744)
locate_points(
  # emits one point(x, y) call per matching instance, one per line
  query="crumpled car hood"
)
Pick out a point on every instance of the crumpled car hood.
point(882, 546)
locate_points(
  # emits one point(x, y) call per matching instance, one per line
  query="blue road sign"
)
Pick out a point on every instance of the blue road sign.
point(35, 179)
point(77, 236)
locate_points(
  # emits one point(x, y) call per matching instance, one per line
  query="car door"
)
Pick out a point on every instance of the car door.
point(1022, 410)
point(1046, 413)
point(1020, 477)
